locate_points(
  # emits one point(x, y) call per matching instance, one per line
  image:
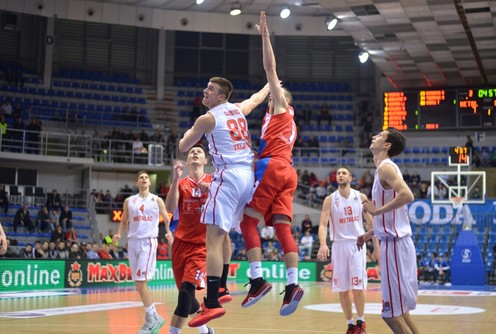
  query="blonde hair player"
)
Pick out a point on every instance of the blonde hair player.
point(141, 217)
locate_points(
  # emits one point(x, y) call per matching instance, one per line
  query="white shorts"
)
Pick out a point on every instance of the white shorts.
point(142, 255)
point(229, 192)
point(348, 266)
point(398, 276)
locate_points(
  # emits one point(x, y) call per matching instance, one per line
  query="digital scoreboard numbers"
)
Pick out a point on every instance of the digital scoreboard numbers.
point(459, 156)
point(400, 110)
point(476, 107)
point(436, 109)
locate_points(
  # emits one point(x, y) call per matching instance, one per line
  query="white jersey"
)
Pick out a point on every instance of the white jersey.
point(394, 223)
point(229, 141)
point(143, 215)
point(345, 221)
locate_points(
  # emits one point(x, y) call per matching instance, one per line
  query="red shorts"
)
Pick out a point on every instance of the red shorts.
point(275, 184)
point(189, 263)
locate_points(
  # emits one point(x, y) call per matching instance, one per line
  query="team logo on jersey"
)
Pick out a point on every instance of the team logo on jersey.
point(75, 275)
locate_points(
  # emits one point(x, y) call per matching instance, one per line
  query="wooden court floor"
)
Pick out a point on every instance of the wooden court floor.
point(117, 311)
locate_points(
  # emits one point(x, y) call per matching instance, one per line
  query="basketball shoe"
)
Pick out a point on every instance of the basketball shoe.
point(205, 315)
point(259, 287)
point(224, 296)
point(292, 296)
point(360, 327)
point(153, 324)
point(351, 329)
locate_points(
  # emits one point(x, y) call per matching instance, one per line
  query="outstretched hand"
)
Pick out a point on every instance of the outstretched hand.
point(262, 25)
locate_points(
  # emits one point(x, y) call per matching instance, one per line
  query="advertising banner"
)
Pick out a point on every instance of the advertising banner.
point(17, 275)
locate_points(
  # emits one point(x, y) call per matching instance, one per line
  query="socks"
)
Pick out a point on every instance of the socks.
point(202, 329)
point(362, 318)
point(150, 309)
point(174, 330)
point(351, 322)
point(213, 284)
point(292, 274)
point(223, 278)
point(256, 269)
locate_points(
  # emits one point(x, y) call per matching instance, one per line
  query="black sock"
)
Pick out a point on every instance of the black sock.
point(225, 273)
point(213, 284)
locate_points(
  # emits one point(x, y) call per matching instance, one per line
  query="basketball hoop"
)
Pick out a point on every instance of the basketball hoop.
point(457, 201)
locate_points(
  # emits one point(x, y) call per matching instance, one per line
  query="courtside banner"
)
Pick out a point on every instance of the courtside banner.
point(92, 273)
point(22, 275)
point(272, 271)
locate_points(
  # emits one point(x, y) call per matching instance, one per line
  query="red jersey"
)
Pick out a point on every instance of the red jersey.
point(278, 136)
point(191, 200)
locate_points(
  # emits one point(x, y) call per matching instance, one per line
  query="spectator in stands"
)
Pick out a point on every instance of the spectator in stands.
point(442, 270)
point(429, 272)
point(53, 200)
point(367, 178)
point(424, 187)
point(113, 251)
point(162, 249)
point(267, 233)
point(44, 247)
point(269, 249)
point(27, 252)
point(324, 114)
point(4, 199)
point(3, 130)
point(172, 145)
point(469, 144)
point(275, 255)
point(321, 191)
point(65, 218)
point(306, 224)
point(9, 253)
point(333, 178)
point(432, 189)
point(74, 253)
point(241, 256)
point(139, 151)
point(23, 218)
point(62, 252)
point(54, 219)
point(415, 179)
point(407, 178)
point(71, 235)
point(6, 109)
point(305, 178)
point(92, 251)
point(104, 252)
point(313, 144)
point(17, 134)
point(57, 234)
point(107, 199)
point(314, 181)
point(442, 191)
point(108, 239)
point(307, 114)
point(484, 158)
point(476, 192)
point(52, 250)
point(306, 245)
point(158, 137)
point(33, 135)
point(43, 221)
point(143, 136)
point(38, 252)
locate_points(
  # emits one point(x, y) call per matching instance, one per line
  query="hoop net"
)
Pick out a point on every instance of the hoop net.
point(457, 201)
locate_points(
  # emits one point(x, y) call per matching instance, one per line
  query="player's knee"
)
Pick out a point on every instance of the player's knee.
point(250, 232)
point(285, 237)
point(195, 306)
point(185, 300)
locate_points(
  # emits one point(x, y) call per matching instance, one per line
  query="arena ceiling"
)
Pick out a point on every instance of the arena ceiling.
point(414, 43)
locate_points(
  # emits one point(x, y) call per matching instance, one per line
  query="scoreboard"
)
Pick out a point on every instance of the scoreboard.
point(434, 109)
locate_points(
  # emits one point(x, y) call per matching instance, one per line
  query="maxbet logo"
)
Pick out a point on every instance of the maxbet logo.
point(108, 272)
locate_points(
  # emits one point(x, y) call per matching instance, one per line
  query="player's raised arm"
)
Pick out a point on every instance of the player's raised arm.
point(254, 101)
point(203, 124)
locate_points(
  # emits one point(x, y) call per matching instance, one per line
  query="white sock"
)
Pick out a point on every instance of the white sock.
point(362, 318)
point(292, 274)
point(150, 309)
point(174, 330)
point(351, 322)
point(202, 329)
point(256, 269)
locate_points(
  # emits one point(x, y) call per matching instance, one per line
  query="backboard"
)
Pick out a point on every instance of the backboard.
point(471, 185)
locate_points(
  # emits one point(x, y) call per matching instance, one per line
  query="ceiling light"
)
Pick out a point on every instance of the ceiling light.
point(235, 9)
point(199, 2)
point(331, 22)
point(363, 56)
point(285, 12)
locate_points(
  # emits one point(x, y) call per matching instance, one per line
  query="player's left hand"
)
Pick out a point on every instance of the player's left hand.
point(204, 186)
point(169, 237)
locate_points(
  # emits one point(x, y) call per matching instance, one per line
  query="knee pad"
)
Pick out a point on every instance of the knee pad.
point(250, 232)
point(185, 299)
point(195, 306)
point(283, 233)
